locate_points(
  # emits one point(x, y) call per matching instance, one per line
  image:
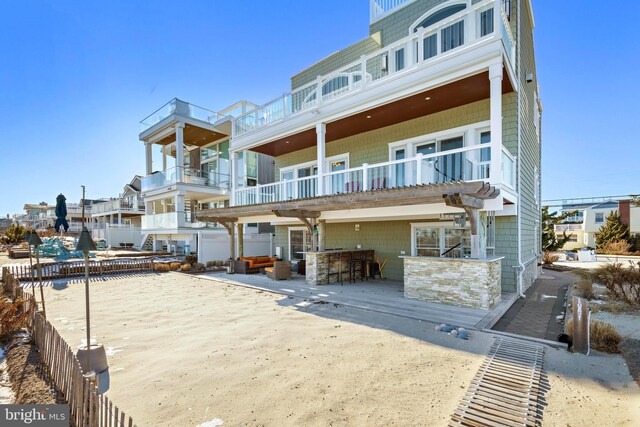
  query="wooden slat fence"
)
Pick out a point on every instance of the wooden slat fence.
point(63, 270)
point(88, 407)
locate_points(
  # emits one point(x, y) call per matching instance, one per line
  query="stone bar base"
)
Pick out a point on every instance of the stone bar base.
point(461, 282)
point(316, 268)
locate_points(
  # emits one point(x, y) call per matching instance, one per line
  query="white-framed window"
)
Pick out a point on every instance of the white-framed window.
point(214, 162)
point(438, 240)
point(484, 24)
point(599, 217)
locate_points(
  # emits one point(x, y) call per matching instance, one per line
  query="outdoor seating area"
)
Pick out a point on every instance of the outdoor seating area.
point(340, 266)
point(252, 265)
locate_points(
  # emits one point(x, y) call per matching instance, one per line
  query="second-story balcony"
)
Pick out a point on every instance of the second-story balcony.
point(561, 228)
point(186, 176)
point(476, 32)
point(173, 221)
point(464, 164)
point(118, 205)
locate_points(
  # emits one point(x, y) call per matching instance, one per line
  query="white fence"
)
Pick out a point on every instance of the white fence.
point(215, 245)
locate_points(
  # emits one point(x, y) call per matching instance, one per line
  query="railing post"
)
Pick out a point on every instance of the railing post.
point(365, 177)
point(419, 169)
point(363, 69)
point(319, 90)
point(258, 195)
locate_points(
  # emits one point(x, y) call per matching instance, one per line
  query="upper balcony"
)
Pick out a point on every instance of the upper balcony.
point(427, 58)
point(174, 221)
point(196, 180)
point(177, 107)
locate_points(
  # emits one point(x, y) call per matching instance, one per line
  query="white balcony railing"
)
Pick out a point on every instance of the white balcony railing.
point(508, 169)
point(173, 220)
point(185, 176)
point(121, 205)
point(560, 228)
point(417, 50)
point(182, 108)
point(463, 164)
point(381, 8)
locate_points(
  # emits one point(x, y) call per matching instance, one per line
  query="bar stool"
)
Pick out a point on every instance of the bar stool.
point(344, 266)
point(333, 267)
point(357, 266)
point(369, 260)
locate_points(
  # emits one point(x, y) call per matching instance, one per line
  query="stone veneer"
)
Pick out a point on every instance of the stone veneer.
point(316, 268)
point(461, 282)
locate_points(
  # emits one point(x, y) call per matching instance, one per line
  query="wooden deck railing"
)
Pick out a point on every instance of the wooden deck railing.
point(87, 406)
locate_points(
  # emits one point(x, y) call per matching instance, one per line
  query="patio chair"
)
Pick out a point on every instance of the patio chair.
point(280, 270)
point(379, 183)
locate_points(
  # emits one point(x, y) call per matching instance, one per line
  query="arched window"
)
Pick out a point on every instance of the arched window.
point(440, 15)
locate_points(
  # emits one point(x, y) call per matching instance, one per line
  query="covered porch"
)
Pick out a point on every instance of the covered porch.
point(473, 276)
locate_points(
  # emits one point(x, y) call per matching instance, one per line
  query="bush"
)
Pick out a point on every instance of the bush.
point(162, 267)
point(190, 259)
point(549, 258)
point(622, 283)
point(603, 336)
point(185, 267)
point(621, 247)
point(583, 289)
point(175, 266)
point(198, 266)
point(211, 264)
point(13, 234)
point(13, 316)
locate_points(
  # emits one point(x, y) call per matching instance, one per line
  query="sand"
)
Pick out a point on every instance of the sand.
point(185, 351)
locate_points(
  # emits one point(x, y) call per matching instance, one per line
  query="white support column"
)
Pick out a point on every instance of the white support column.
point(149, 157)
point(321, 132)
point(164, 157)
point(179, 151)
point(233, 158)
point(495, 79)
point(119, 217)
point(180, 209)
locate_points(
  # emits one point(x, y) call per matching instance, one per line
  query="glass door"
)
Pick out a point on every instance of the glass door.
point(289, 187)
point(399, 170)
point(336, 183)
point(307, 187)
point(428, 170)
point(450, 167)
point(297, 244)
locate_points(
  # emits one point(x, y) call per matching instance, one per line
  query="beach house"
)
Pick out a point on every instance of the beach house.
point(420, 142)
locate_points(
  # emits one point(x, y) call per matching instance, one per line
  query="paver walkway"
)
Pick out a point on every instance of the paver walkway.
point(535, 316)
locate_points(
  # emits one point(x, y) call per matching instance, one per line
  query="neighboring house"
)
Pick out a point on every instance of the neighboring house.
point(37, 216)
point(591, 215)
point(118, 220)
point(192, 173)
point(421, 142)
point(630, 214)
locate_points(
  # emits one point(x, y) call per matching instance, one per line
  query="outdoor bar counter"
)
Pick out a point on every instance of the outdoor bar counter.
point(317, 265)
point(456, 281)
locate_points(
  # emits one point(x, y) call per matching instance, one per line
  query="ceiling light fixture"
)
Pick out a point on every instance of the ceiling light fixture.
point(368, 117)
point(427, 98)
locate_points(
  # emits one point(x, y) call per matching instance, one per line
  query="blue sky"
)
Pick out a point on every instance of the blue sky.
point(76, 77)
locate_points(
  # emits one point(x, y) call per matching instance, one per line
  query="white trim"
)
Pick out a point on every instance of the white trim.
point(441, 226)
point(448, 20)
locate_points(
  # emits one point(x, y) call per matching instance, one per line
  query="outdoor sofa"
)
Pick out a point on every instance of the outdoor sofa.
point(253, 264)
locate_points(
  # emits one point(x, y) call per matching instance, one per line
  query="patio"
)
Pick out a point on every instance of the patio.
point(382, 296)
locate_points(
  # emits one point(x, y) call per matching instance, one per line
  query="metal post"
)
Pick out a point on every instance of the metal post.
point(82, 205)
point(33, 288)
point(86, 292)
point(44, 311)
